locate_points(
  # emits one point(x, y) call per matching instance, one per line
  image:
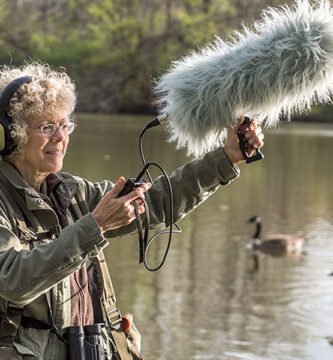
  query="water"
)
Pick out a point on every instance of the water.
point(206, 303)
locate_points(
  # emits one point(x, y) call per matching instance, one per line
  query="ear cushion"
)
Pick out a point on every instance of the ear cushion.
point(2, 138)
point(7, 144)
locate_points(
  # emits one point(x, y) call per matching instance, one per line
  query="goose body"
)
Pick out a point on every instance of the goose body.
point(275, 244)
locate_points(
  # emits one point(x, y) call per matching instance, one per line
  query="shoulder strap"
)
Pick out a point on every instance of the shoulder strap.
point(79, 207)
point(11, 320)
point(113, 315)
point(14, 313)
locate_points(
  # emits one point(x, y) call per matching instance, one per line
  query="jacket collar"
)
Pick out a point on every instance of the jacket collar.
point(65, 190)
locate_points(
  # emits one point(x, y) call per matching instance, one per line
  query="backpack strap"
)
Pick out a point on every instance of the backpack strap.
point(13, 318)
point(9, 324)
point(10, 320)
point(113, 315)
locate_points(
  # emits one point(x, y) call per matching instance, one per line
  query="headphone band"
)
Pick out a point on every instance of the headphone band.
point(10, 89)
point(7, 143)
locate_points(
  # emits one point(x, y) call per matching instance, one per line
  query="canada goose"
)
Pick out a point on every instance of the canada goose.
point(275, 244)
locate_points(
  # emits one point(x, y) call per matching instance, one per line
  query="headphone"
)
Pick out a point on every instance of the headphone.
point(7, 143)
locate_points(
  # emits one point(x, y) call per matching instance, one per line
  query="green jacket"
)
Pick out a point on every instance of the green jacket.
point(27, 275)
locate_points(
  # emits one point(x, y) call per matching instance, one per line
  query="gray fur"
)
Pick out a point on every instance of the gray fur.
point(281, 67)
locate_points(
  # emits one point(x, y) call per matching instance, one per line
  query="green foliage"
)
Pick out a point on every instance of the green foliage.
point(115, 48)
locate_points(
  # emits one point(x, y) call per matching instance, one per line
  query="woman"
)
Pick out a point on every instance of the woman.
point(53, 226)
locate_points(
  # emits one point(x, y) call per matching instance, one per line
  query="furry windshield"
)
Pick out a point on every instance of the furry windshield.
point(278, 68)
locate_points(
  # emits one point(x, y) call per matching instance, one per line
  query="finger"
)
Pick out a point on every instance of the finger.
point(258, 130)
point(253, 125)
point(118, 186)
point(237, 125)
point(133, 211)
point(139, 201)
point(245, 127)
point(254, 138)
point(253, 133)
point(136, 193)
point(141, 209)
point(258, 142)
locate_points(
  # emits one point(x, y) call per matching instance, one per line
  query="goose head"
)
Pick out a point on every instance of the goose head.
point(256, 220)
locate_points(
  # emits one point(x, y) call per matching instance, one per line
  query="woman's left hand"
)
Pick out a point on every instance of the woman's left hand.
point(253, 134)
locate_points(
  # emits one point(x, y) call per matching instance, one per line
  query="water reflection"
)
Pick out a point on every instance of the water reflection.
point(204, 303)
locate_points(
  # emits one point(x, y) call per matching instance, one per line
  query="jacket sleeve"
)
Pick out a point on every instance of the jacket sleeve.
point(26, 274)
point(191, 184)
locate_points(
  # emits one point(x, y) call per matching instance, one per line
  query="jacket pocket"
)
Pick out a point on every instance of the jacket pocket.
point(32, 342)
point(9, 353)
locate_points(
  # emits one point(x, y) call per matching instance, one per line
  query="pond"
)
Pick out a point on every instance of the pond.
point(207, 302)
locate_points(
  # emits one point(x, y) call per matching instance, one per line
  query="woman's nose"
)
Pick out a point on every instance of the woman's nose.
point(59, 135)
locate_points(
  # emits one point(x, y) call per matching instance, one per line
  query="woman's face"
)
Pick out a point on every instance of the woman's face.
point(43, 154)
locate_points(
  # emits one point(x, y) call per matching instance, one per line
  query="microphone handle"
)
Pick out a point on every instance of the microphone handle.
point(258, 154)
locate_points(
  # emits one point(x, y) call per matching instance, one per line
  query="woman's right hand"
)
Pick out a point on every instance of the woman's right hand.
point(113, 212)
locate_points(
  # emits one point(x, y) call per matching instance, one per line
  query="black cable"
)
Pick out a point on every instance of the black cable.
point(170, 231)
point(158, 120)
point(144, 238)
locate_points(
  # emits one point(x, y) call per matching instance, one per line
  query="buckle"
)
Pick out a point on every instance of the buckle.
point(115, 318)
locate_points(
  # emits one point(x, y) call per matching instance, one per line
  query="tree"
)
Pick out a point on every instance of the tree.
point(115, 48)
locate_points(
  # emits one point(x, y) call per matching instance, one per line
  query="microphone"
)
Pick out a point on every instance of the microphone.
point(158, 120)
point(281, 67)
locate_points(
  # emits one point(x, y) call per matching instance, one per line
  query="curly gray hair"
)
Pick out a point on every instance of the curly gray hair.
point(50, 92)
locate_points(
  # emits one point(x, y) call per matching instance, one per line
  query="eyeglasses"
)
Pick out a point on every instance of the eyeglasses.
point(50, 129)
